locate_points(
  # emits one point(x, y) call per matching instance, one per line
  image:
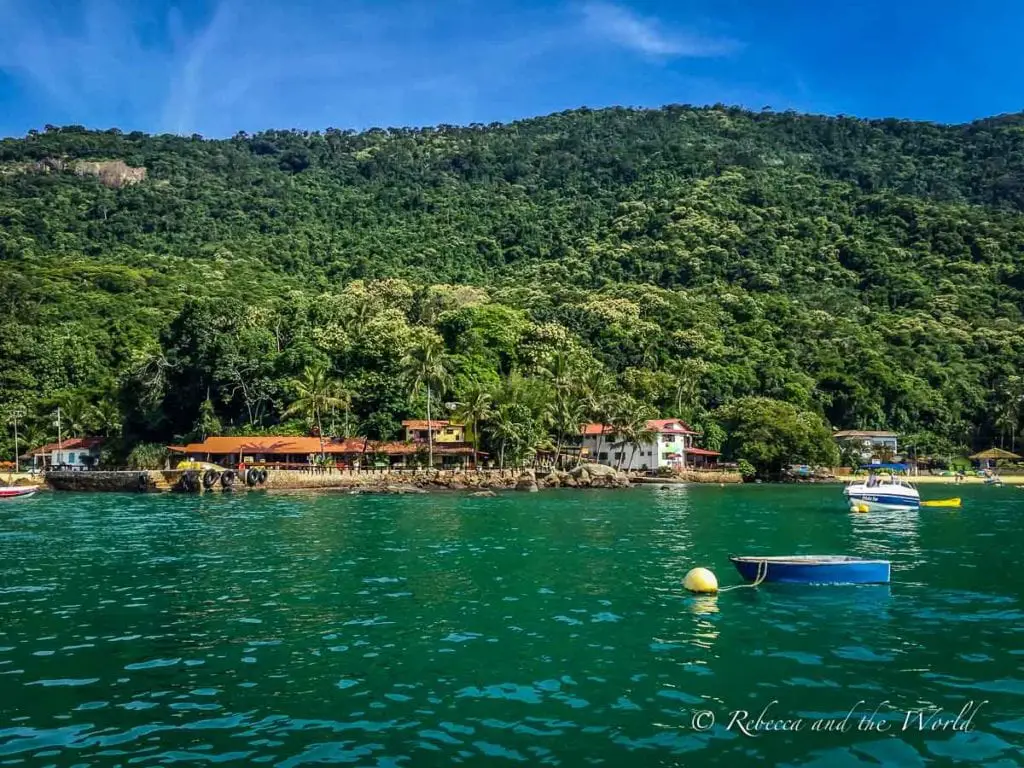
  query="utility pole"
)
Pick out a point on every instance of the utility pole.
point(60, 441)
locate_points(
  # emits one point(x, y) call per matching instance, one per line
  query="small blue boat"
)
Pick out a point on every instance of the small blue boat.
point(813, 569)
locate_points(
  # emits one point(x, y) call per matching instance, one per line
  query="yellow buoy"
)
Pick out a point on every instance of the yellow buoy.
point(859, 508)
point(701, 581)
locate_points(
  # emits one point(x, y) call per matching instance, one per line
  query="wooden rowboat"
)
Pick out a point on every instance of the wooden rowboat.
point(813, 569)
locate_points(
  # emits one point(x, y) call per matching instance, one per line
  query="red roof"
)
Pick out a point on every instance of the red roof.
point(423, 423)
point(274, 444)
point(679, 427)
point(71, 443)
point(702, 452)
point(303, 446)
point(661, 426)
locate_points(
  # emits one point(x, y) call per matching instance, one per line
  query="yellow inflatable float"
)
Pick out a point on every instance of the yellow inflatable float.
point(941, 503)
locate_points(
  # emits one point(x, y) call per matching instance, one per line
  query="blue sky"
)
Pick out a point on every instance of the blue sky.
point(219, 66)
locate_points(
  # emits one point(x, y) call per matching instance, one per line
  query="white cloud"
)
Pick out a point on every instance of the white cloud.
point(621, 26)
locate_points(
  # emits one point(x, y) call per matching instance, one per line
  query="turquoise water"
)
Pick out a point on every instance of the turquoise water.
point(547, 629)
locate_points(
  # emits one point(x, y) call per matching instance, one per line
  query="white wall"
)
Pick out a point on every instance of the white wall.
point(73, 457)
point(647, 455)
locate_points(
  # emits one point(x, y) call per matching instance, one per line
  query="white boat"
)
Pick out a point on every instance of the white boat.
point(883, 492)
point(16, 491)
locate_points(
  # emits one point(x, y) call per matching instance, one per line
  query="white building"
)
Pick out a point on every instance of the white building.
point(72, 453)
point(869, 443)
point(673, 446)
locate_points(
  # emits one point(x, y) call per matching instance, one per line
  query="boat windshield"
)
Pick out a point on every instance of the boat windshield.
point(875, 480)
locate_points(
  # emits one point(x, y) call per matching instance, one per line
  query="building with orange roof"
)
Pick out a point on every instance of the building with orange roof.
point(71, 453)
point(300, 452)
point(672, 445)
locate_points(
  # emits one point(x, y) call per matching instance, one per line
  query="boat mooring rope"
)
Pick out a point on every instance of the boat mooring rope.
point(762, 574)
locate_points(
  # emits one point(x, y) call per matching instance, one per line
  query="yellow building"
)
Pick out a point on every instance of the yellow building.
point(416, 431)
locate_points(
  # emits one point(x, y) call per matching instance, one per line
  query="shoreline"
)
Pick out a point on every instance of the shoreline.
point(483, 482)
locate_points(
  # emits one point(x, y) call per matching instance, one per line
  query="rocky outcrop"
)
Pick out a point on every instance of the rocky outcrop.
point(527, 482)
point(483, 494)
point(111, 173)
point(586, 476)
point(115, 174)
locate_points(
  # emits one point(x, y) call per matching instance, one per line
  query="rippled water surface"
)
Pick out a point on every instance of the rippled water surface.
point(542, 628)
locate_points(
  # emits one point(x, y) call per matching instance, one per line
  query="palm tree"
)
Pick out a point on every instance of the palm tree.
point(620, 420)
point(108, 417)
point(77, 416)
point(597, 388)
point(474, 409)
point(567, 417)
point(317, 391)
point(344, 397)
point(559, 371)
point(635, 431)
point(425, 365)
point(506, 430)
point(688, 375)
point(1010, 410)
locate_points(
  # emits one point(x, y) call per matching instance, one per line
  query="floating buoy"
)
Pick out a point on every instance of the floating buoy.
point(701, 581)
point(859, 508)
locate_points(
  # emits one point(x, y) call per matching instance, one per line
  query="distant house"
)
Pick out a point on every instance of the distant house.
point(442, 431)
point(73, 453)
point(673, 446)
point(870, 444)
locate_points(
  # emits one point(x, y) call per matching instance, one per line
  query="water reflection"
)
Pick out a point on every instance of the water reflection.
point(701, 605)
point(432, 630)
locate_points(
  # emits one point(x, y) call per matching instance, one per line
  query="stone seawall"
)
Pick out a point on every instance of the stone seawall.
point(390, 479)
point(141, 481)
point(384, 481)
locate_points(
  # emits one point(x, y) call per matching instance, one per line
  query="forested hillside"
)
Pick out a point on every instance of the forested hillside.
point(702, 262)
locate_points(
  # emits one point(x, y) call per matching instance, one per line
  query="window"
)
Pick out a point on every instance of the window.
point(602, 456)
point(71, 458)
point(666, 455)
point(619, 456)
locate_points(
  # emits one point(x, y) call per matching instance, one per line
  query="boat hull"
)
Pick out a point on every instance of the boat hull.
point(16, 492)
point(877, 502)
point(810, 571)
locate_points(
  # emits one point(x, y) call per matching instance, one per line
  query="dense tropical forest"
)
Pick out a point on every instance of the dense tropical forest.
point(766, 276)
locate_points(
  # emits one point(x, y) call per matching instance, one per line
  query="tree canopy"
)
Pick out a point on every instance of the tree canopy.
point(868, 274)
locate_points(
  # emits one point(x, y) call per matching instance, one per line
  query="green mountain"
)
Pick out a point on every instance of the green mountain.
point(869, 273)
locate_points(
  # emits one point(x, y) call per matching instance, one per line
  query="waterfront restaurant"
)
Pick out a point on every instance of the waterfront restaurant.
point(305, 452)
